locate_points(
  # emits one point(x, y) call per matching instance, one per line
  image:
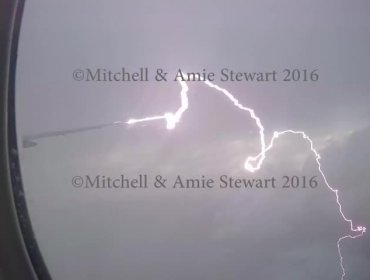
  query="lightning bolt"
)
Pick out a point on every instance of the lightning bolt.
point(171, 119)
point(254, 163)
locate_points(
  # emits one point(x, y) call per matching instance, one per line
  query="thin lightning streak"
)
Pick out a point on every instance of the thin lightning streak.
point(173, 119)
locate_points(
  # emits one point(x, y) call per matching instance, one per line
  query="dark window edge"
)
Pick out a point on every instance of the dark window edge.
point(20, 257)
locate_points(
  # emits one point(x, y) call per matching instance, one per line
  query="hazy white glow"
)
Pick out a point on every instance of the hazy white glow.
point(254, 163)
point(171, 119)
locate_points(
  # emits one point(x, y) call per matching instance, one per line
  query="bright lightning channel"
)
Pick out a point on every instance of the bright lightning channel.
point(171, 119)
point(254, 163)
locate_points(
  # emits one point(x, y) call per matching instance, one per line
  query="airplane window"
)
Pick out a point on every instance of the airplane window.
point(197, 139)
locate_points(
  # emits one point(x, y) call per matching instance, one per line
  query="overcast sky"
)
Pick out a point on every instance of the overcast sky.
point(195, 234)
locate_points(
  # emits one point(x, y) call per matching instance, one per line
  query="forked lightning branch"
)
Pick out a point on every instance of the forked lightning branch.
point(254, 162)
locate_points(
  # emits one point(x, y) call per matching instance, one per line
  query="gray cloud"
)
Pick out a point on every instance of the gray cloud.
point(216, 234)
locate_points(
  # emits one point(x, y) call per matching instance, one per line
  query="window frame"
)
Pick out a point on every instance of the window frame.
point(20, 257)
